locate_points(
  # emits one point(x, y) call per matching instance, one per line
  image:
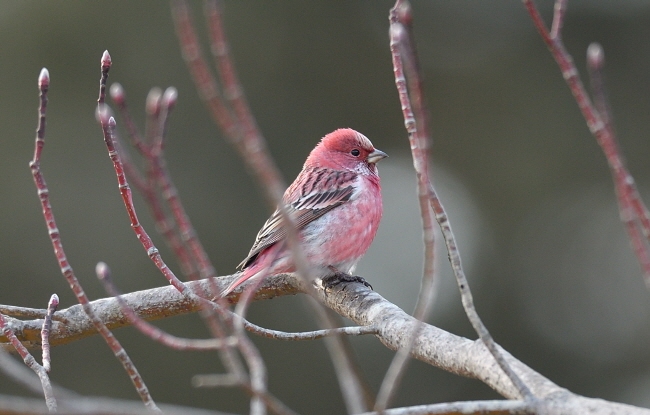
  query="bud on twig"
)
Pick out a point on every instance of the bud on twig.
point(103, 114)
point(595, 56)
point(169, 97)
point(117, 94)
point(106, 60)
point(153, 101)
point(44, 78)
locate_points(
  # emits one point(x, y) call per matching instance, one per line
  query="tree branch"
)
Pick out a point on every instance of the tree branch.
point(434, 346)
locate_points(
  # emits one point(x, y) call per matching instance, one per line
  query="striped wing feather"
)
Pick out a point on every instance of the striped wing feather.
point(310, 204)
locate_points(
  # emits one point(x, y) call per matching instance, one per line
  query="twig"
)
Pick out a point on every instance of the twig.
point(159, 109)
point(106, 66)
point(108, 127)
point(463, 408)
point(401, 60)
point(153, 332)
point(308, 335)
point(95, 405)
point(595, 65)
point(240, 129)
point(164, 224)
point(26, 312)
point(53, 231)
point(401, 45)
point(170, 193)
point(255, 364)
point(25, 377)
point(218, 381)
point(559, 12)
point(45, 332)
point(153, 304)
point(29, 360)
point(633, 211)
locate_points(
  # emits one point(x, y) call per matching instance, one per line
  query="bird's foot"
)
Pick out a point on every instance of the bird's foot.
point(338, 277)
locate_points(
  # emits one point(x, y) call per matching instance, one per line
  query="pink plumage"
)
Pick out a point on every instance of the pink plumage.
point(336, 204)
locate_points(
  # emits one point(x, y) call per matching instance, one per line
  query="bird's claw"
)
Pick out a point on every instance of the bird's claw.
point(339, 277)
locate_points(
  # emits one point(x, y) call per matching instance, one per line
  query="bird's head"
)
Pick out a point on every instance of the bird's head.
point(345, 149)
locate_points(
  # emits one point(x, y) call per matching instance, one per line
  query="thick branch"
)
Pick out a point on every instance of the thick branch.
point(437, 347)
point(152, 304)
point(459, 355)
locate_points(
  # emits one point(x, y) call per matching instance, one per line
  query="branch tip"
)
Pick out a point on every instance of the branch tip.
point(103, 114)
point(54, 301)
point(169, 97)
point(153, 101)
point(215, 380)
point(595, 56)
point(403, 12)
point(117, 93)
point(106, 60)
point(44, 78)
point(102, 270)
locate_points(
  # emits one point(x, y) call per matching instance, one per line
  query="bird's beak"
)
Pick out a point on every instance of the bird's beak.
point(376, 155)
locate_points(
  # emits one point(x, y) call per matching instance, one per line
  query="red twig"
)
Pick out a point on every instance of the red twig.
point(233, 90)
point(633, 211)
point(214, 381)
point(153, 332)
point(170, 192)
point(158, 109)
point(14, 311)
point(407, 80)
point(45, 331)
point(164, 224)
point(559, 12)
point(205, 82)
point(240, 130)
point(119, 98)
point(64, 265)
point(106, 66)
point(29, 360)
point(108, 127)
point(402, 50)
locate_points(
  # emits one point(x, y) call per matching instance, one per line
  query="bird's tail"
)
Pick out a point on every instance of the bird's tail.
point(263, 265)
point(241, 278)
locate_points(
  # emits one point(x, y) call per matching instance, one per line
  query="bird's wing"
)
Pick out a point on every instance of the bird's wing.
point(314, 193)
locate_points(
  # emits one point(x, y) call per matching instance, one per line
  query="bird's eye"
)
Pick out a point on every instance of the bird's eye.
point(355, 152)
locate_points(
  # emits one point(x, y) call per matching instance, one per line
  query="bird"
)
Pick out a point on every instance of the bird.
point(335, 203)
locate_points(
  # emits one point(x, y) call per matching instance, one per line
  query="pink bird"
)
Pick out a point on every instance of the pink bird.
point(336, 205)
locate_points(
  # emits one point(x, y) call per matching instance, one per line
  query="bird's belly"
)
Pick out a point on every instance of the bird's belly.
point(341, 237)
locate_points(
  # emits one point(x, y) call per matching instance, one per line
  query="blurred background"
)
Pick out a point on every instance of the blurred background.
point(526, 186)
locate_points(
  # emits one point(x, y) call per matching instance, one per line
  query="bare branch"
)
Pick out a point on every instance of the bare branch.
point(402, 50)
point(57, 244)
point(45, 332)
point(559, 11)
point(633, 211)
point(415, 123)
point(463, 408)
point(153, 332)
point(95, 405)
point(308, 335)
point(26, 312)
point(29, 360)
point(153, 304)
point(241, 130)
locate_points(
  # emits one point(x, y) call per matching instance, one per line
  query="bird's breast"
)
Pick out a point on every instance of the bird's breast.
point(341, 237)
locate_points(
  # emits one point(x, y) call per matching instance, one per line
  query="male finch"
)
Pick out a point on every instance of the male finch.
point(335, 203)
